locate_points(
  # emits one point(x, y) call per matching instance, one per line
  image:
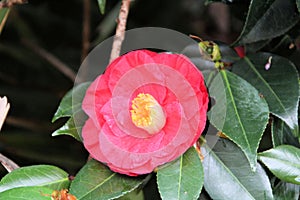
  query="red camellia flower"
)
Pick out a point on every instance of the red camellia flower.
point(146, 109)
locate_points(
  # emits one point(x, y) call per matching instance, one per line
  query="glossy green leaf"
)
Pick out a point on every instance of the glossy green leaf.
point(3, 17)
point(227, 174)
point(101, 4)
point(284, 162)
point(134, 195)
point(286, 191)
point(73, 126)
point(240, 113)
point(24, 193)
point(37, 175)
point(96, 181)
point(182, 178)
point(298, 5)
point(261, 24)
point(71, 102)
point(278, 85)
point(70, 106)
point(256, 46)
point(282, 134)
point(69, 128)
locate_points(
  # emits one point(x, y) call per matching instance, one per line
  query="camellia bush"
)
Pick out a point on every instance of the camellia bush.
point(192, 118)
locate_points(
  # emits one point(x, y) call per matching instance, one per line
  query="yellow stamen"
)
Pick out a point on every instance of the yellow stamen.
point(146, 113)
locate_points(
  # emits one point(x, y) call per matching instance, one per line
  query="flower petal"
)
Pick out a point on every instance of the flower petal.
point(91, 141)
point(176, 84)
point(134, 139)
point(121, 66)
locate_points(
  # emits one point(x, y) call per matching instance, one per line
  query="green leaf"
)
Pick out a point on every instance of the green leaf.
point(278, 85)
point(37, 175)
point(282, 134)
point(96, 181)
point(3, 17)
point(286, 191)
point(284, 162)
point(227, 174)
point(240, 113)
point(298, 5)
point(71, 102)
point(73, 126)
point(268, 19)
point(134, 195)
point(256, 46)
point(182, 178)
point(101, 4)
point(23, 193)
point(70, 106)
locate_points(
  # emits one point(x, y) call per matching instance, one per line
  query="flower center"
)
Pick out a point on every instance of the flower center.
point(146, 113)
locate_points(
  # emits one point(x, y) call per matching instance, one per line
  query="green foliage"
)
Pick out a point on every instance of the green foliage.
point(273, 85)
point(135, 194)
point(282, 134)
point(101, 4)
point(71, 103)
point(286, 191)
point(268, 19)
point(283, 161)
point(21, 193)
point(227, 175)
point(236, 102)
point(246, 94)
point(182, 178)
point(3, 16)
point(38, 175)
point(70, 106)
point(96, 181)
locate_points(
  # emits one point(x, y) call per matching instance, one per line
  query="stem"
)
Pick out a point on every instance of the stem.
point(120, 31)
point(86, 28)
point(57, 63)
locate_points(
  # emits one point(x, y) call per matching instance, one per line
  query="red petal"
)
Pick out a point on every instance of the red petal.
point(130, 138)
point(90, 135)
point(177, 85)
point(95, 97)
point(121, 66)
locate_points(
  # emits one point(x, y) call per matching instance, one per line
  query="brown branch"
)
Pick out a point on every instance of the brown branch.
point(8, 164)
point(86, 28)
point(120, 31)
point(30, 124)
point(56, 62)
point(10, 3)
